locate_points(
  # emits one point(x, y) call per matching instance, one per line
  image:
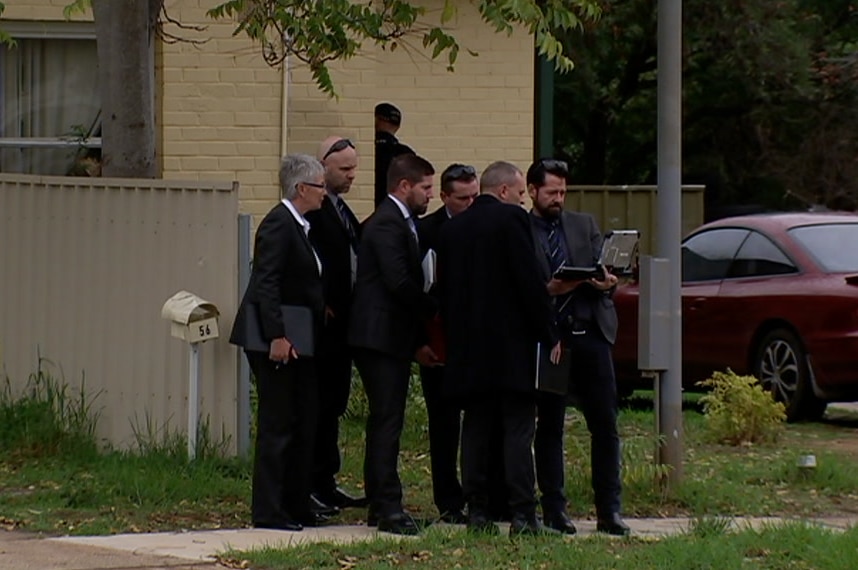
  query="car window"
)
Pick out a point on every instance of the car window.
point(706, 256)
point(832, 245)
point(759, 256)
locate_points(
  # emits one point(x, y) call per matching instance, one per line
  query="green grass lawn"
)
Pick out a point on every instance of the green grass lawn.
point(794, 546)
point(64, 485)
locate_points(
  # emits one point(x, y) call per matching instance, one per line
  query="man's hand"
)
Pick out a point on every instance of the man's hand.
point(427, 357)
point(555, 353)
point(329, 314)
point(281, 350)
point(608, 281)
point(561, 287)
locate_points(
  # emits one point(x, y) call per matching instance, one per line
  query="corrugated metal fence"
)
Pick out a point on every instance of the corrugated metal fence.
point(633, 208)
point(85, 266)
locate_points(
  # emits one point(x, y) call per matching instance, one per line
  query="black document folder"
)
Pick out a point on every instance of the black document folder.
point(297, 322)
point(570, 273)
point(552, 377)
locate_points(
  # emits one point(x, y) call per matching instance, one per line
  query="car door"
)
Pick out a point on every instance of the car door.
point(706, 259)
point(750, 295)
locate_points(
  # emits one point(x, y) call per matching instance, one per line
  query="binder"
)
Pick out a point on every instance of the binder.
point(297, 322)
point(550, 377)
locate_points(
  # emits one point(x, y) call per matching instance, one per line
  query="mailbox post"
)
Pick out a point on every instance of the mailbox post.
point(193, 320)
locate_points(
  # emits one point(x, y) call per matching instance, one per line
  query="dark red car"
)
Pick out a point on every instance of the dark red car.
point(773, 295)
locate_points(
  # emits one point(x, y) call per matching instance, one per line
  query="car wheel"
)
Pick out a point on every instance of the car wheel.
point(781, 367)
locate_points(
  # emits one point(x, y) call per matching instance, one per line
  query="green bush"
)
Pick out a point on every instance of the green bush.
point(738, 410)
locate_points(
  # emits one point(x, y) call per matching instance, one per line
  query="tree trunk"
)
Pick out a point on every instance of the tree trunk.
point(124, 31)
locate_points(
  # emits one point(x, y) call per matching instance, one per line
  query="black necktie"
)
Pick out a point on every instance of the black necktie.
point(557, 258)
point(342, 209)
point(556, 255)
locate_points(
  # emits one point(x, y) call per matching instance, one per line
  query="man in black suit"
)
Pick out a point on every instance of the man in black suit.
point(335, 234)
point(495, 310)
point(286, 271)
point(459, 188)
point(388, 313)
point(388, 119)
point(587, 321)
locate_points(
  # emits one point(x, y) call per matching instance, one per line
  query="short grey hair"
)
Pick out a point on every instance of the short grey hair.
point(297, 168)
point(497, 174)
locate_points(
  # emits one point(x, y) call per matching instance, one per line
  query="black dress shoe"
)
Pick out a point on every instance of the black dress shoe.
point(319, 506)
point(280, 525)
point(398, 523)
point(339, 498)
point(529, 525)
point(454, 516)
point(315, 519)
point(613, 524)
point(480, 523)
point(559, 520)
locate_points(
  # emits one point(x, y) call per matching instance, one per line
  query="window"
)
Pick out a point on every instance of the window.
point(49, 100)
point(832, 245)
point(758, 257)
point(707, 256)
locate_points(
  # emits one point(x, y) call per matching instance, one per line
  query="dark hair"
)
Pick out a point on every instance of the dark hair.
point(389, 113)
point(409, 167)
point(456, 173)
point(537, 171)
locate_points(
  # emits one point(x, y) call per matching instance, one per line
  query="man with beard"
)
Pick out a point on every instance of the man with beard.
point(459, 188)
point(335, 234)
point(587, 322)
point(388, 312)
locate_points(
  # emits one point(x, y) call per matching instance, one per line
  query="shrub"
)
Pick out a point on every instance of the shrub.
point(738, 410)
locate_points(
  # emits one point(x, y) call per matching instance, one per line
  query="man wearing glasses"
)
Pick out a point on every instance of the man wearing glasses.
point(459, 187)
point(286, 271)
point(587, 322)
point(335, 234)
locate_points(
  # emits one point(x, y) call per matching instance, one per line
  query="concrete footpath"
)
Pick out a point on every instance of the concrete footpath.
point(198, 549)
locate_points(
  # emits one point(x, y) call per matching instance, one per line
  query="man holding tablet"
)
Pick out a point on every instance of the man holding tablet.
point(587, 321)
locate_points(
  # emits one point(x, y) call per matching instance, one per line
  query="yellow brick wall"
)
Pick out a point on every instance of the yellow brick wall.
point(219, 106)
point(480, 113)
point(40, 10)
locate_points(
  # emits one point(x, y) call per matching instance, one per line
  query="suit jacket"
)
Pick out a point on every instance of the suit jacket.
point(333, 244)
point(429, 229)
point(387, 146)
point(494, 304)
point(389, 306)
point(584, 244)
point(284, 273)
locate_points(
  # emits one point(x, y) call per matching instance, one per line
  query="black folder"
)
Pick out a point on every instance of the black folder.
point(552, 377)
point(297, 322)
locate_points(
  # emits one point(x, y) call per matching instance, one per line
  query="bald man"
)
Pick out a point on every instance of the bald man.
point(335, 233)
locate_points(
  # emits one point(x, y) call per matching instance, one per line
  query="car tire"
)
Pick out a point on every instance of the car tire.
point(780, 364)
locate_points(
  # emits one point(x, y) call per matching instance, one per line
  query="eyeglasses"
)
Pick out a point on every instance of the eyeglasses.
point(457, 172)
point(341, 144)
point(313, 184)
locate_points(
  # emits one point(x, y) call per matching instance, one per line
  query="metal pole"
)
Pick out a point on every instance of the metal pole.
point(669, 232)
point(244, 416)
point(193, 399)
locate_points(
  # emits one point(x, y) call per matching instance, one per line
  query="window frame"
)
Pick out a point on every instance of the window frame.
point(49, 30)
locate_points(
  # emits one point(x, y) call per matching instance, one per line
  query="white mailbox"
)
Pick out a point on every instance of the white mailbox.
point(191, 319)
